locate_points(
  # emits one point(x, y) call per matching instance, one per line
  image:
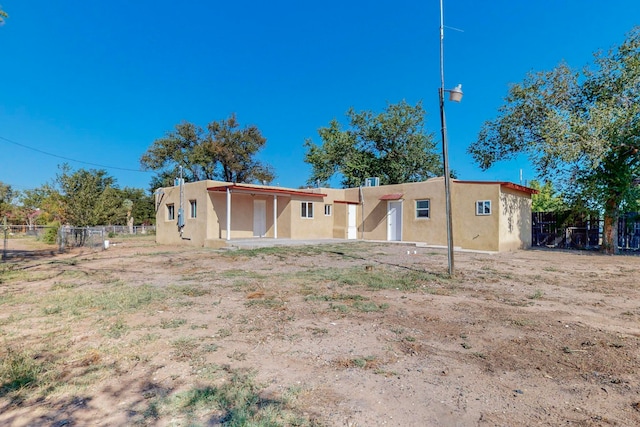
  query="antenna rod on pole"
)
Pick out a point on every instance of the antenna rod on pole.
point(441, 47)
point(181, 207)
point(445, 151)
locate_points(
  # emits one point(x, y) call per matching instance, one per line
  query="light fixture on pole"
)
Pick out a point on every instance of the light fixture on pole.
point(455, 95)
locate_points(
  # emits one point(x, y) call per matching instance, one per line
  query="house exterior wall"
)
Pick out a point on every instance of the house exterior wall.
point(321, 226)
point(241, 216)
point(216, 215)
point(341, 219)
point(166, 229)
point(339, 230)
point(507, 227)
point(211, 218)
point(472, 231)
point(284, 217)
point(218, 222)
point(431, 230)
point(515, 221)
point(195, 229)
point(307, 228)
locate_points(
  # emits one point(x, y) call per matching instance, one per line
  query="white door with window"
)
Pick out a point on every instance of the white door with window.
point(352, 227)
point(394, 221)
point(259, 218)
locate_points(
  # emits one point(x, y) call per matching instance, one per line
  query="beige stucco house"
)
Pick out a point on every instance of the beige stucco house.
point(488, 216)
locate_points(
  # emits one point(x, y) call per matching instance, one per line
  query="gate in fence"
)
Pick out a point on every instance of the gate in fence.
point(74, 237)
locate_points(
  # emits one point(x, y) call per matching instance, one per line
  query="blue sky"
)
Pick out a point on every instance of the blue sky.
point(99, 81)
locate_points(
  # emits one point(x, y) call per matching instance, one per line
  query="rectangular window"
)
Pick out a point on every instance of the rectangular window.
point(194, 208)
point(422, 208)
point(327, 210)
point(171, 212)
point(483, 207)
point(306, 210)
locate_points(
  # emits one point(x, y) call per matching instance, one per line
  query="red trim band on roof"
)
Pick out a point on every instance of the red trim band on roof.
point(264, 190)
point(506, 184)
point(522, 188)
point(346, 202)
point(392, 196)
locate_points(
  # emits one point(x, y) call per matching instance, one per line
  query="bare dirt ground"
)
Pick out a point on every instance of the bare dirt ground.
point(361, 334)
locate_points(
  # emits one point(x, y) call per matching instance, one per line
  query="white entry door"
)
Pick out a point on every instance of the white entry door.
point(259, 218)
point(352, 227)
point(394, 221)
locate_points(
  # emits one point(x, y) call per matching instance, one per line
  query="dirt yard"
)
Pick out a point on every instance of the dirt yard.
point(358, 334)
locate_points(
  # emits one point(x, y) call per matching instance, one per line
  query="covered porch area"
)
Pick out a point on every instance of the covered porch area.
point(249, 211)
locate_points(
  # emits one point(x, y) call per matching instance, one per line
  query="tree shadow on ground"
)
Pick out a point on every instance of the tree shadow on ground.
point(17, 255)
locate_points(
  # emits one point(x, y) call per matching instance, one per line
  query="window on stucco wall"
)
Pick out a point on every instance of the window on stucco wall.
point(306, 210)
point(423, 208)
point(483, 207)
point(171, 212)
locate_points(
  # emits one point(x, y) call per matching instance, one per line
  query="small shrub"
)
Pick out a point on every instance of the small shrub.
point(536, 295)
point(50, 235)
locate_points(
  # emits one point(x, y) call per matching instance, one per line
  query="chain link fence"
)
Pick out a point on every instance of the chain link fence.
point(19, 241)
point(75, 237)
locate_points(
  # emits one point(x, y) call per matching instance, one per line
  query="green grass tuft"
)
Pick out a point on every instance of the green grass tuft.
point(19, 370)
point(172, 323)
point(189, 290)
point(236, 402)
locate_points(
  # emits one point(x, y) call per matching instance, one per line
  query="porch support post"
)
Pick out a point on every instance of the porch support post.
point(275, 216)
point(228, 214)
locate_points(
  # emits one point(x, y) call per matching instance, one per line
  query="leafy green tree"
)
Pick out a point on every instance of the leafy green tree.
point(579, 128)
point(137, 204)
point(183, 147)
point(3, 16)
point(235, 149)
point(110, 209)
point(7, 196)
point(223, 151)
point(28, 208)
point(392, 145)
point(547, 199)
point(164, 178)
point(46, 200)
point(31, 200)
point(89, 197)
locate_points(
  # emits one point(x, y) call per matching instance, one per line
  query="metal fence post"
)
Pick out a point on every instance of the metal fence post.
point(5, 239)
